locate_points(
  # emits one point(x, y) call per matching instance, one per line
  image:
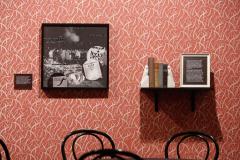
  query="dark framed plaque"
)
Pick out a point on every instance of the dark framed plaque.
point(75, 56)
point(195, 70)
point(23, 81)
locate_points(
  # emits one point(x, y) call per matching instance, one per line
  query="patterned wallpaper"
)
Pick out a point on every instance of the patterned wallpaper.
point(33, 122)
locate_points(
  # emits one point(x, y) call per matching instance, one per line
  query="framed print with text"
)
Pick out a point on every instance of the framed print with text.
point(195, 70)
point(75, 56)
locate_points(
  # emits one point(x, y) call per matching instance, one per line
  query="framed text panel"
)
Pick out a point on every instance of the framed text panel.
point(195, 70)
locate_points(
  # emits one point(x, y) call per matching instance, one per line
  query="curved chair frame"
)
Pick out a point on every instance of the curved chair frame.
point(77, 137)
point(192, 134)
point(188, 136)
point(5, 150)
point(111, 153)
point(83, 132)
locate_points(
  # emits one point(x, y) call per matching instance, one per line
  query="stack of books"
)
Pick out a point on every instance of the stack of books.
point(157, 75)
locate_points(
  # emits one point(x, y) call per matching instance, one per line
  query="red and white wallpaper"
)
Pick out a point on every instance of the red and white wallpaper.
point(33, 123)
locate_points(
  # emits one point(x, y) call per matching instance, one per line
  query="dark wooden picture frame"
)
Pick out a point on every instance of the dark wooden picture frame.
point(75, 56)
point(195, 71)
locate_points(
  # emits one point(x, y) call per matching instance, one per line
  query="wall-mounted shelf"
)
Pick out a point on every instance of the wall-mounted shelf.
point(192, 91)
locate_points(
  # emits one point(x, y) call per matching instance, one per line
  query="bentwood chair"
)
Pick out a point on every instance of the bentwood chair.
point(99, 135)
point(7, 155)
point(110, 154)
point(200, 135)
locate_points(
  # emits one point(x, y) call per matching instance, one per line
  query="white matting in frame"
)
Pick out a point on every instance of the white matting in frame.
point(195, 71)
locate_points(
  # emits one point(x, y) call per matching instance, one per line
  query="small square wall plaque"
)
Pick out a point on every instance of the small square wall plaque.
point(23, 81)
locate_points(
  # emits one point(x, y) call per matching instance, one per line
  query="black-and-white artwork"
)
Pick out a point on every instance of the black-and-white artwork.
point(195, 70)
point(75, 55)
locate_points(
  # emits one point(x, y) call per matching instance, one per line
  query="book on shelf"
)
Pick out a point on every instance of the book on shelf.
point(157, 75)
point(165, 75)
point(160, 74)
point(151, 72)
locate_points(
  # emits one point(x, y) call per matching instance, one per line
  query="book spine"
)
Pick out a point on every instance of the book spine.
point(151, 72)
point(156, 70)
point(165, 75)
point(160, 75)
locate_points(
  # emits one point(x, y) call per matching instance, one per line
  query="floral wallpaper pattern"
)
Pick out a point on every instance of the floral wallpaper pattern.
point(34, 122)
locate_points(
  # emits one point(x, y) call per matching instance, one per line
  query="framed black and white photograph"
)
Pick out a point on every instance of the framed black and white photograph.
point(75, 56)
point(195, 70)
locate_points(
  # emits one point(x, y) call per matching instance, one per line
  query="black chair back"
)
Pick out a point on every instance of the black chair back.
point(185, 135)
point(110, 154)
point(85, 132)
point(7, 155)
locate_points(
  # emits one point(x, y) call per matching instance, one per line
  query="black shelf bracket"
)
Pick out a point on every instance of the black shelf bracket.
point(193, 101)
point(192, 91)
point(156, 101)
